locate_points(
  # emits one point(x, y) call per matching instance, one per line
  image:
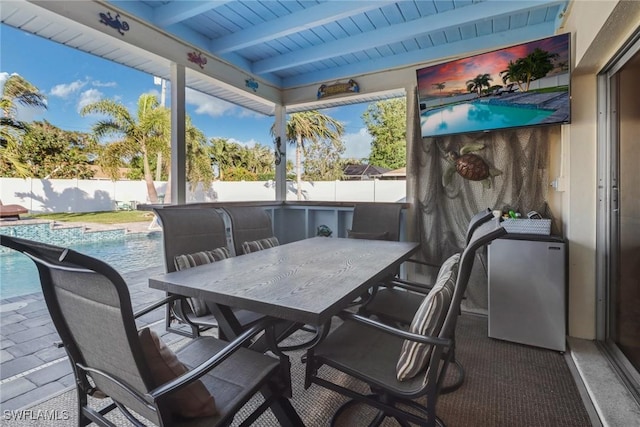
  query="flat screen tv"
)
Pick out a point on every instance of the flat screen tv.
point(517, 86)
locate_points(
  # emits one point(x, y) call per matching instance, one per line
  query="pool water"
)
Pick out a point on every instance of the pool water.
point(473, 117)
point(19, 275)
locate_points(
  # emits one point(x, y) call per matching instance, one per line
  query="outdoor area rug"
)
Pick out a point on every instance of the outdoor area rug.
point(506, 385)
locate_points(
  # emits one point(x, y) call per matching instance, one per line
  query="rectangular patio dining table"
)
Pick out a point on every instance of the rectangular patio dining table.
point(307, 281)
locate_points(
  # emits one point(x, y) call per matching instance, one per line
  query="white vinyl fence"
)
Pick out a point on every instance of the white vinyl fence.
point(76, 195)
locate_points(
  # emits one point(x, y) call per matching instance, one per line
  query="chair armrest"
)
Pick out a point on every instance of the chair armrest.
point(426, 263)
point(422, 288)
point(187, 378)
point(155, 305)
point(423, 339)
point(144, 399)
point(197, 372)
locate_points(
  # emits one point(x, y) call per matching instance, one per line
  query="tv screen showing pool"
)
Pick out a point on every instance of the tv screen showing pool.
point(517, 86)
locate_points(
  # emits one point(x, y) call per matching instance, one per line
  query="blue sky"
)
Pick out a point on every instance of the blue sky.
point(71, 79)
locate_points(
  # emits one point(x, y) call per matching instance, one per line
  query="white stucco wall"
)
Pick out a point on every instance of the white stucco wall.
point(599, 29)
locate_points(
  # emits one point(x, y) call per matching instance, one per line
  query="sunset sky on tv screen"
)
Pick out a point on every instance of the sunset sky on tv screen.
point(457, 73)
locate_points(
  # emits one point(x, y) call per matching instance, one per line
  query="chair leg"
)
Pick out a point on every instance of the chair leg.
point(449, 388)
point(379, 417)
point(285, 413)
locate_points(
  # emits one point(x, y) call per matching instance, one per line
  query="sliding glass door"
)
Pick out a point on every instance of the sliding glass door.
point(620, 219)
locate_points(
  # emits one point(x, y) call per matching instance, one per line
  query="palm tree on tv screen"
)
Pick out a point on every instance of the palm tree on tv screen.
point(479, 82)
point(532, 67)
point(439, 86)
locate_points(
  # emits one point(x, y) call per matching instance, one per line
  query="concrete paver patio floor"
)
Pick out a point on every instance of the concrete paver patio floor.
point(32, 366)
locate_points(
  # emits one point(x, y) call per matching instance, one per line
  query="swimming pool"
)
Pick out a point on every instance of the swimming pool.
point(19, 276)
point(476, 116)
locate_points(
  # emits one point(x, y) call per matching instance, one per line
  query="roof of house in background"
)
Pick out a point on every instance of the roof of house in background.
point(396, 173)
point(363, 171)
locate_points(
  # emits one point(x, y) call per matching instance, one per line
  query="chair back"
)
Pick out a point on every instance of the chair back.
point(248, 223)
point(476, 221)
point(483, 235)
point(439, 359)
point(90, 306)
point(377, 218)
point(188, 230)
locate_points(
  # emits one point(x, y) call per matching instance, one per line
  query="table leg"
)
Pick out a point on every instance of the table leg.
point(228, 325)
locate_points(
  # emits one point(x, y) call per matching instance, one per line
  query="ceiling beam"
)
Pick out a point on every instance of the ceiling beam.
point(178, 11)
point(305, 19)
point(421, 58)
point(398, 33)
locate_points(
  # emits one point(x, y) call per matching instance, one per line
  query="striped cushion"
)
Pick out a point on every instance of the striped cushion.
point(258, 245)
point(183, 262)
point(428, 320)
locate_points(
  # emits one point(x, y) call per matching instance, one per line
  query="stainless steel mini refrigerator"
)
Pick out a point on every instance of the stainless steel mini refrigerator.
point(527, 290)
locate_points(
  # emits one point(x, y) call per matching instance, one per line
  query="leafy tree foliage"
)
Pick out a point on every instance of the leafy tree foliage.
point(50, 152)
point(235, 162)
point(386, 123)
point(143, 134)
point(16, 91)
point(311, 126)
point(198, 167)
point(322, 160)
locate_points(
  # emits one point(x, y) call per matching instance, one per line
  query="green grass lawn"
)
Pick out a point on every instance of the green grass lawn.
point(108, 217)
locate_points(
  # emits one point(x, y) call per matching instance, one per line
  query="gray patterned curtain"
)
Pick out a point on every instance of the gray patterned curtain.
point(521, 156)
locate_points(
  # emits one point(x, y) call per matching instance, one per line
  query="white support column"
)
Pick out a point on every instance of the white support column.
point(178, 139)
point(414, 139)
point(281, 169)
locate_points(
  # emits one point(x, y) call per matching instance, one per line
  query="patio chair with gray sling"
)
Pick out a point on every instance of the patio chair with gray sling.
point(252, 231)
point(400, 366)
point(376, 221)
point(204, 383)
point(191, 236)
point(399, 300)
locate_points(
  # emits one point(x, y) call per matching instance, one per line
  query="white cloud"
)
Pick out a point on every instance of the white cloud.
point(249, 143)
point(244, 112)
point(3, 78)
point(206, 104)
point(64, 90)
point(98, 83)
point(88, 97)
point(358, 144)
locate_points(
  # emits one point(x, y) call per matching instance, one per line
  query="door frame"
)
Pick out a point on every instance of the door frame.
point(607, 222)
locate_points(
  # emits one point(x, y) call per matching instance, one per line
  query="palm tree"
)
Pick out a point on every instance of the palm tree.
point(514, 74)
point(224, 155)
point(197, 156)
point(143, 134)
point(309, 126)
point(439, 86)
point(16, 90)
point(480, 81)
point(534, 66)
point(537, 64)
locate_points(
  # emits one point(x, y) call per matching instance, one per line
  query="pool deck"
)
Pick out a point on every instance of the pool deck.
point(32, 367)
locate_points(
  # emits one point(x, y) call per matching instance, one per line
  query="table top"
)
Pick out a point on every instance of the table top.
point(307, 281)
